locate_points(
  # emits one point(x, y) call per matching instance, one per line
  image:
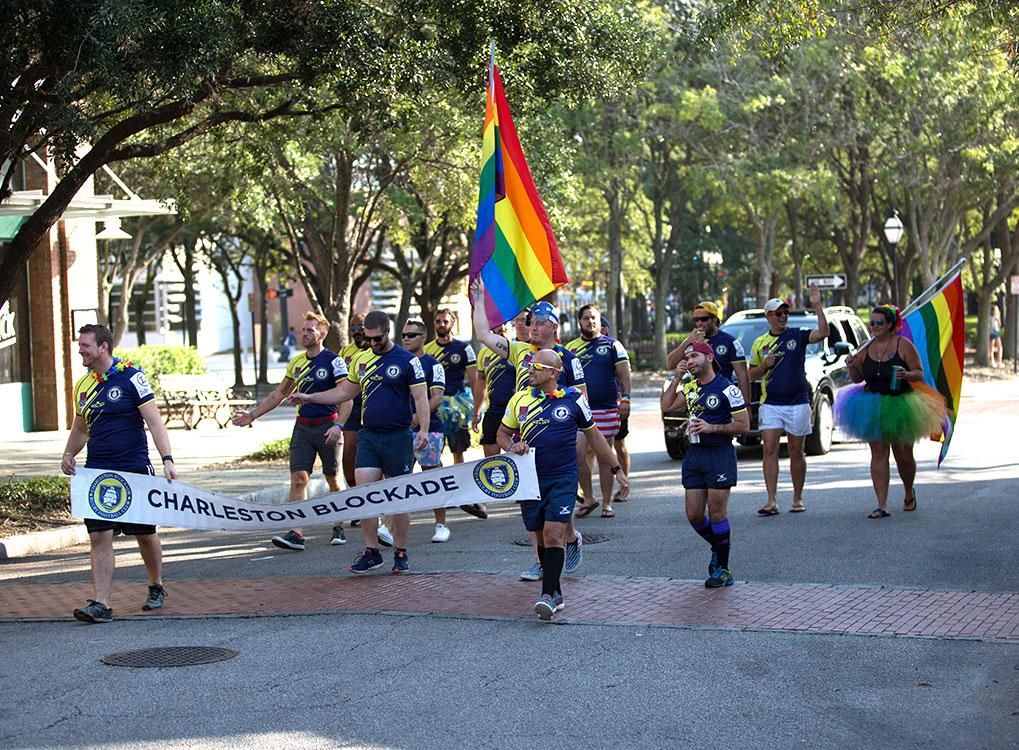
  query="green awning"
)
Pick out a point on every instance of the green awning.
point(9, 226)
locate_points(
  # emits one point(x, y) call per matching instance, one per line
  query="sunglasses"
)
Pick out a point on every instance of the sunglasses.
point(411, 334)
point(874, 323)
point(783, 312)
point(537, 366)
point(356, 329)
point(375, 339)
point(702, 318)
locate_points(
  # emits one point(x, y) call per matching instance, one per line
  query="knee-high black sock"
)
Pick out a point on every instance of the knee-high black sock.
point(541, 556)
point(703, 527)
point(552, 569)
point(720, 544)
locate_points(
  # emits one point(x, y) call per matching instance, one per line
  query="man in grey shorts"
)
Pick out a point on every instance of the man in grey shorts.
point(316, 369)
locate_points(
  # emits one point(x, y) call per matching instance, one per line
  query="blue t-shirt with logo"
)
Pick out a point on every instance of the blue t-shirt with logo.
point(109, 408)
point(715, 403)
point(500, 381)
point(323, 372)
point(599, 358)
point(455, 357)
point(435, 377)
point(728, 350)
point(386, 381)
point(785, 384)
point(549, 424)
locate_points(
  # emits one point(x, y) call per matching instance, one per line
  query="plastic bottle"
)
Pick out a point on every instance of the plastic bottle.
point(893, 384)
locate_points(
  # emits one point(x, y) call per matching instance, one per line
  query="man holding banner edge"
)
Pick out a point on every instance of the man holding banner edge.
point(113, 404)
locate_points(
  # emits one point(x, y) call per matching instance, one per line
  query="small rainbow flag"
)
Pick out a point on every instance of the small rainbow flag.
point(515, 251)
point(937, 329)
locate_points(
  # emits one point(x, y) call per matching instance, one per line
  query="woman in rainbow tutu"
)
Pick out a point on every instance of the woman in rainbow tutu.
point(890, 406)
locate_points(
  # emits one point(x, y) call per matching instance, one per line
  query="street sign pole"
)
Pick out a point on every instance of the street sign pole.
point(1013, 308)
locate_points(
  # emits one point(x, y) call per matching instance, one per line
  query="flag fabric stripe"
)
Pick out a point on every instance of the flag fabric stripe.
point(515, 251)
point(937, 329)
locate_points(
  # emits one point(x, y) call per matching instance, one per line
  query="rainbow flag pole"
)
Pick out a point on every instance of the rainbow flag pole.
point(515, 251)
point(935, 323)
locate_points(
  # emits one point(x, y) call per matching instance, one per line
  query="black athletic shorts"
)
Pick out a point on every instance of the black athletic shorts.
point(490, 425)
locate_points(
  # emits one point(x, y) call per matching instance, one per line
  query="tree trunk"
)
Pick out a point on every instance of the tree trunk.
point(613, 295)
point(140, 301)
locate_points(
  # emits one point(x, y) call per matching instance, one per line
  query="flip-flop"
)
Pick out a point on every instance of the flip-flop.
point(608, 513)
point(907, 507)
point(766, 511)
point(618, 498)
point(798, 509)
point(585, 510)
point(879, 513)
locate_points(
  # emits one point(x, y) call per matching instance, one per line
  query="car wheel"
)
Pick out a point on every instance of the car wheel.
point(818, 442)
point(676, 446)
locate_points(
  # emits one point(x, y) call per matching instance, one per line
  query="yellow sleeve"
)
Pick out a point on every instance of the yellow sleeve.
point(510, 417)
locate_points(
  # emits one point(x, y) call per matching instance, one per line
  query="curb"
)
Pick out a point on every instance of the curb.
point(40, 542)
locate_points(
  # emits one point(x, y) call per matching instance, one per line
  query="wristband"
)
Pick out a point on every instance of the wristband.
point(168, 457)
point(616, 469)
point(625, 397)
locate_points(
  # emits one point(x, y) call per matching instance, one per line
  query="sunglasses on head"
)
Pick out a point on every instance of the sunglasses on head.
point(411, 334)
point(702, 318)
point(375, 339)
point(539, 367)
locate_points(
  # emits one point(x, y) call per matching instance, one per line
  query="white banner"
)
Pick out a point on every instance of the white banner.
point(138, 498)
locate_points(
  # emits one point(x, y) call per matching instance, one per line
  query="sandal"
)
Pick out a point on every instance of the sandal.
point(585, 510)
point(767, 511)
point(618, 498)
point(608, 513)
point(798, 509)
point(908, 506)
point(879, 513)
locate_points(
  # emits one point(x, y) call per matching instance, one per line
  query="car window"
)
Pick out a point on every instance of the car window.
point(857, 333)
point(835, 334)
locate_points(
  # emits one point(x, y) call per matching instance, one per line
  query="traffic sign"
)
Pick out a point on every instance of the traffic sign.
point(828, 281)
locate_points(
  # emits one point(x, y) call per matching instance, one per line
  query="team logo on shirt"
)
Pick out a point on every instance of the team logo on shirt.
point(321, 373)
point(790, 344)
point(602, 351)
point(109, 496)
point(114, 394)
point(393, 372)
point(712, 401)
point(454, 358)
point(497, 477)
point(721, 349)
point(561, 413)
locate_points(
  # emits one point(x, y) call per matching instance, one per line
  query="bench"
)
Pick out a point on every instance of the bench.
point(192, 398)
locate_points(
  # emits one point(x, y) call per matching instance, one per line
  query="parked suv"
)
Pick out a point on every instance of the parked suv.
point(825, 367)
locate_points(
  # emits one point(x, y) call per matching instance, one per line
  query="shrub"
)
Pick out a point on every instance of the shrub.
point(37, 497)
point(156, 360)
point(274, 450)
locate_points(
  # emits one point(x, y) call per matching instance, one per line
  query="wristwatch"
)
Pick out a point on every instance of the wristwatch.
point(616, 469)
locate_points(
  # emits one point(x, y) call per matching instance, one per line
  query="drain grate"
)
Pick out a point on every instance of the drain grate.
point(588, 539)
point(169, 656)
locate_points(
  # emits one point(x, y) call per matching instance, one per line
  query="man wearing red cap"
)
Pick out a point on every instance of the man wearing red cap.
point(717, 414)
point(778, 359)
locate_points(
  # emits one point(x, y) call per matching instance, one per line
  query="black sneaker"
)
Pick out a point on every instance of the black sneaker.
point(290, 540)
point(156, 596)
point(338, 536)
point(401, 563)
point(94, 612)
point(475, 509)
point(367, 560)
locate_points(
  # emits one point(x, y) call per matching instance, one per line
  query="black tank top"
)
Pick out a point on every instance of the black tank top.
point(878, 375)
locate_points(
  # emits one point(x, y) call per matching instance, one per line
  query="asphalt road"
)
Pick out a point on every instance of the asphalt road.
point(426, 681)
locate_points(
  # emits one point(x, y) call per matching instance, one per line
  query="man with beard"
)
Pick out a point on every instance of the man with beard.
point(729, 354)
point(113, 404)
point(717, 413)
point(544, 328)
point(606, 369)
point(316, 369)
point(547, 419)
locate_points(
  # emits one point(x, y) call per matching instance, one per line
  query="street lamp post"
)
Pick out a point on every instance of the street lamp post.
point(893, 233)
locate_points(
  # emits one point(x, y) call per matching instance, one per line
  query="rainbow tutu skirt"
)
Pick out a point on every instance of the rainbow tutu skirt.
point(896, 420)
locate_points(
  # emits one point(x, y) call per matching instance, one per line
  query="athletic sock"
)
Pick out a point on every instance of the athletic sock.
point(541, 556)
point(720, 543)
point(703, 527)
point(552, 568)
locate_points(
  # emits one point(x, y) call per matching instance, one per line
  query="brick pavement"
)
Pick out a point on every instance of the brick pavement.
point(608, 600)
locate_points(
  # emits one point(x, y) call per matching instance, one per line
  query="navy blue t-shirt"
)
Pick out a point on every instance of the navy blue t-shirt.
point(109, 408)
point(785, 384)
point(715, 403)
point(455, 357)
point(549, 424)
point(599, 358)
point(728, 350)
point(435, 377)
point(386, 381)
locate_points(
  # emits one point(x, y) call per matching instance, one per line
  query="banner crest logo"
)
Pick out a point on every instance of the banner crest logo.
point(109, 496)
point(497, 477)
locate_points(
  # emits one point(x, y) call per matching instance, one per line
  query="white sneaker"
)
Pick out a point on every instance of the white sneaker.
point(441, 533)
point(385, 536)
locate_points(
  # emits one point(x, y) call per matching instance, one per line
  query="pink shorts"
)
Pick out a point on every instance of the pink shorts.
point(607, 421)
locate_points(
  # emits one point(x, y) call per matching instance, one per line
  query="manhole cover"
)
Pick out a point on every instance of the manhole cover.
point(588, 539)
point(169, 656)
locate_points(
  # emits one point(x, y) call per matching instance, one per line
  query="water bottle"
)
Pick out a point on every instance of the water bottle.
point(893, 384)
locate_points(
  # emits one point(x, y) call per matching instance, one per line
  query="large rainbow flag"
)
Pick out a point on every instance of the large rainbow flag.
point(515, 251)
point(937, 329)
